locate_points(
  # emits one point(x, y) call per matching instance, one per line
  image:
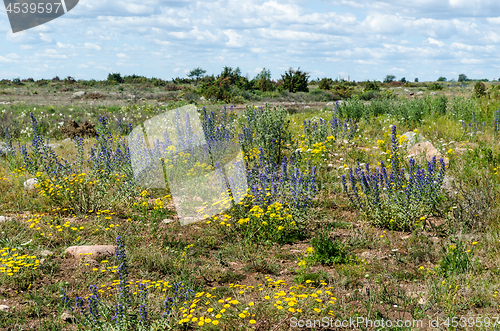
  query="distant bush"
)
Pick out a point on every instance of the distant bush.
point(221, 87)
point(325, 84)
point(434, 87)
point(294, 81)
point(479, 90)
point(115, 77)
point(371, 86)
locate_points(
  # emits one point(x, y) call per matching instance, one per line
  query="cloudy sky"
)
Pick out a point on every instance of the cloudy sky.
point(362, 39)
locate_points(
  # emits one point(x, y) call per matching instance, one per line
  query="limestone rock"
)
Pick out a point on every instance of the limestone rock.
point(95, 251)
point(30, 183)
point(67, 317)
point(46, 252)
point(4, 219)
point(411, 139)
point(4, 148)
point(54, 146)
point(4, 308)
point(427, 148)
point(420, 93)
point(78, 94)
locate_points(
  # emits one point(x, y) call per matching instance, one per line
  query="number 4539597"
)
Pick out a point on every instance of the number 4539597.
point(32, 8)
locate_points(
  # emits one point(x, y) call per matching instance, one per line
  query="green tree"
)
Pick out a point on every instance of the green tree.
point(403, 80)
point(442, 79)
point(416, 80)
point(116, 77)
point(325, 84)
point(462, 78)
point(479, 90)
point(263, 80)
point(295, 81)
point(389, 78)
point(196, 73)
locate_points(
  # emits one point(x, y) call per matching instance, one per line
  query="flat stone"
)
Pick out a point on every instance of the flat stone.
point(412, 138)
point(54, 146)
point(4, 308)
point(78, 94)
point(4, 219)
point(30, 183)
point(46, 252)
point(427, 148)
point(95, 251)
point(67, 317)
point(167, 220)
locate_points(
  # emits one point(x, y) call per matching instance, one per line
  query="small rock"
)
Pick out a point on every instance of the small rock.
point(407, 90)
point(78, 94)
point(67, 317)
point(54, 146)
point(330, 103)
point(411, 138)
point(4, 308)
point(433, 93)
point(67, 140)
point(4, 219)
point(167, 220)
point(427, 148)
point(4, 148)
point(30, 183)
point(46, 252)
point(94, 251)
point(411, 93)
point(405, 237)
point(420, 93)
point(202, 98)
point(448, 183)
point(307, 107)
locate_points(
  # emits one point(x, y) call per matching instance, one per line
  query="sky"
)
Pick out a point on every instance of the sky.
point(359, 40)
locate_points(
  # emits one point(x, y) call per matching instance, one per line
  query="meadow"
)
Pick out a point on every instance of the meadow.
point(341, 220)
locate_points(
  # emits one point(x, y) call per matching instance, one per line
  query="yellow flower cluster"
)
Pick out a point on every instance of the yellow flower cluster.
point(11, 262)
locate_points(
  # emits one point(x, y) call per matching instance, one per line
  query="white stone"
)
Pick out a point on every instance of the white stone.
point(79, 94)
point(4, 308)
point(30, 183)
point(411, 139)
point(4, 219)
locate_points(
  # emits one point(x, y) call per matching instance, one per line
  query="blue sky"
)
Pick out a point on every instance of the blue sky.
point(166, 39)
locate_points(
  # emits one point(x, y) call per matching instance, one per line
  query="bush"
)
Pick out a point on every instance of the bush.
point(457, 259)
point(115, 77)
point(327, 251)
point(371, 86)
point(392, 200)
point(479, 90)
point(222, 87)
point(268, 129)
point(434, 87)
point(294, 81)
point(325, 84)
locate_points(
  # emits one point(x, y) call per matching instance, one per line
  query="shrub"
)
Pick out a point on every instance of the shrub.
point(343, 89)
point(325, 84)
point(479, 90)
point(115, 77)
point(393, 200)
point(295, 81)
point(458, 259)
point(327, 251)
point(371, 86)
point(434, 87)
point(268, 129)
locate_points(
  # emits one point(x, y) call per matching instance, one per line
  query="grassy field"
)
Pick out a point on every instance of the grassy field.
point(341, 220)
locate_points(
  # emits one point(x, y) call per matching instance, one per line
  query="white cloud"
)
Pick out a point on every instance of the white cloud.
point(433, 41)
point(92, 46)
point(122, 55)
